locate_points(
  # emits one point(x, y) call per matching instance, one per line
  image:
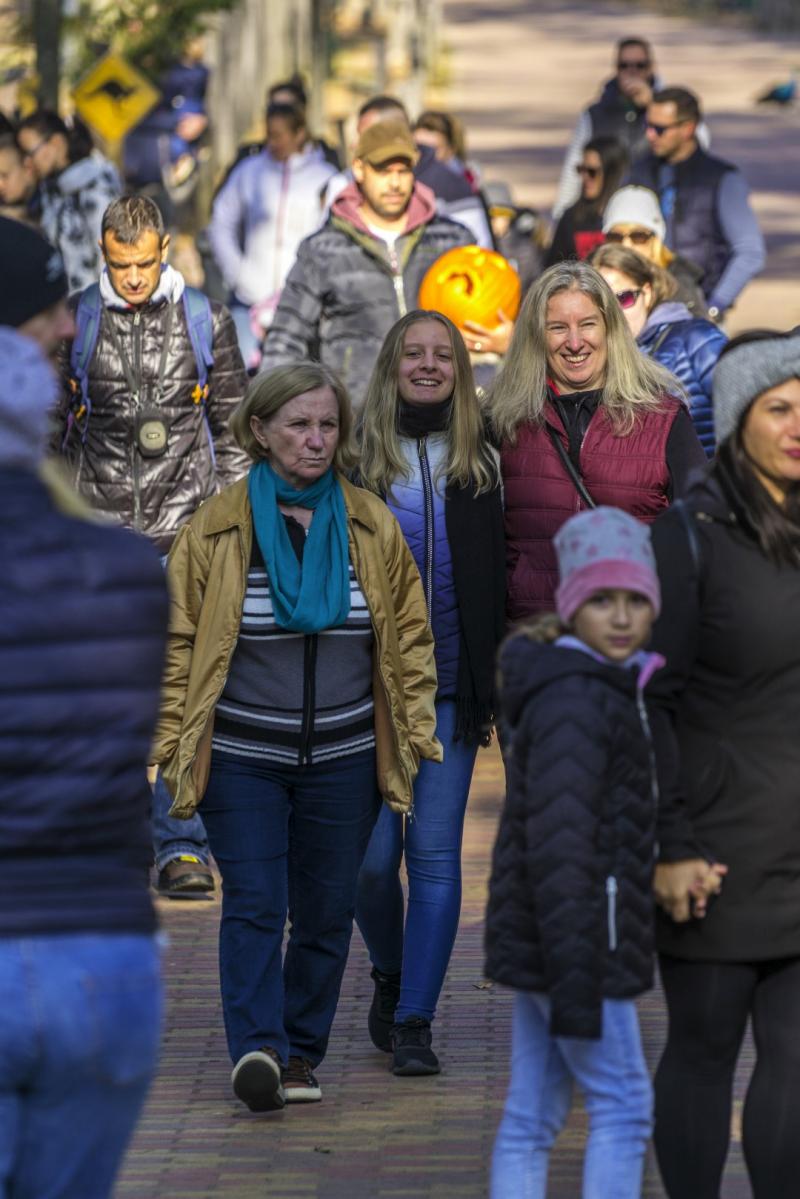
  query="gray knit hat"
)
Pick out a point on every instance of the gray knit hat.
point(747, 370)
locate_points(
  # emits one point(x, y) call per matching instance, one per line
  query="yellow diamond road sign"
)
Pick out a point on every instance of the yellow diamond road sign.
point(114, 96)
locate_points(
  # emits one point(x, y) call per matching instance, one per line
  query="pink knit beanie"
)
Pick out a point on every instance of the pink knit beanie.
point(599, 549)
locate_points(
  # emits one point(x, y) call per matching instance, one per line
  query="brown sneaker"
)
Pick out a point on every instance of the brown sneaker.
point(185, 877)
point(299, 1083)
point(256, 1080)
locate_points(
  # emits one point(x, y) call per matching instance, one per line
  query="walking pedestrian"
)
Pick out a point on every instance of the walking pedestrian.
point(724, 714)
point(580, 227)
point(633, 219)
point(83, 614)
point(620, 112)
point(149, 383)
point(582, 418)
point(704, 200)
point(363, 269)
point(665, 329)
point(269, 203)
point(569, 925)
point(299, 689)
point(76, 185)
point(424, 452)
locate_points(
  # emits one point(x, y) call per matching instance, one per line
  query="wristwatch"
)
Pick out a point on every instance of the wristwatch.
point(714, 314)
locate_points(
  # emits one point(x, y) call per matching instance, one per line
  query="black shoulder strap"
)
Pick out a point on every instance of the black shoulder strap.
point(569, 466)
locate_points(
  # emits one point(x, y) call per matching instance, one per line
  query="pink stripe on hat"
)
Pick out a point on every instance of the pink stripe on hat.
point(604, 576)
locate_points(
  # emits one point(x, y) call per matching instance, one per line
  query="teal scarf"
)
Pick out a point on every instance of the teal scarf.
point(315, 595)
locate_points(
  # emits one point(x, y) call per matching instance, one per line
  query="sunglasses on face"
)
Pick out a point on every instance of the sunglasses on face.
point(658, 130)
point(634, 64)
point(628, 297)
point(589, 172)
point(639, 237)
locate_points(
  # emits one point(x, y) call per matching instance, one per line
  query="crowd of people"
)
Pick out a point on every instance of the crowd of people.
point(360, 541)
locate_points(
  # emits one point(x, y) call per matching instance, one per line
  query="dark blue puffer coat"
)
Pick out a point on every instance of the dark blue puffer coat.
point(83, 615)
point(571, 908)
point(689, 347)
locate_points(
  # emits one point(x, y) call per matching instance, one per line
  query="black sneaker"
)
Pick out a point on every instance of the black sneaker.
point(299, 1083)
point(256, 1080)
point(411, 1046)
point(382, 1009)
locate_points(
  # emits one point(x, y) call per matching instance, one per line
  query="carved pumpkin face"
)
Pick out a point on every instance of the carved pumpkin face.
point(471, 284)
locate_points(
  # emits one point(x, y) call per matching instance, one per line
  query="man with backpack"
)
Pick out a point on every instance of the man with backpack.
point(150, 381)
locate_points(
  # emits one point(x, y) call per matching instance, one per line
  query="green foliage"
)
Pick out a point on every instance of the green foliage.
point(149, 34)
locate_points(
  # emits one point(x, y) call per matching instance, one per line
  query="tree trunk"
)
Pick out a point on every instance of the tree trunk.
point(47, 32)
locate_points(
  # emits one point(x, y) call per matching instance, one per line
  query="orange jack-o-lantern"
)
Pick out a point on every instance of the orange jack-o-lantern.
point(471, 284)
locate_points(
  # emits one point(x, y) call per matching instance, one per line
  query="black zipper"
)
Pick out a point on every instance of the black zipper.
point(137, 367)
point(309, 698)
point(427, 498)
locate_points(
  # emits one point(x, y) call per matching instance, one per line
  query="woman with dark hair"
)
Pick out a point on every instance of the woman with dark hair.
point(664, 328)
point(424, 451)
point(298, 690)
point(580, 228)
point(76, 185)
point(725, 722)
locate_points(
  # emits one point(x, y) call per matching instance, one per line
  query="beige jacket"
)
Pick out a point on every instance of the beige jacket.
point(207, 573)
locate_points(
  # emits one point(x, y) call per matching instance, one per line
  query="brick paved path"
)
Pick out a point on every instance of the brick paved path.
point(373, 1136)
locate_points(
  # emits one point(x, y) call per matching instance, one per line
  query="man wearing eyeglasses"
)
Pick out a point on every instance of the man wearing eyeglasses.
point(704, 200)
point(619, 112)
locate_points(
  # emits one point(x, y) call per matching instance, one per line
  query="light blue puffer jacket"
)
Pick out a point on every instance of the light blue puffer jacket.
point(419, 505)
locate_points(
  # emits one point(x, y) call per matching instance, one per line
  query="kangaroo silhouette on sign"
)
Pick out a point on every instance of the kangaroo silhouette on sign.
point(116, 91)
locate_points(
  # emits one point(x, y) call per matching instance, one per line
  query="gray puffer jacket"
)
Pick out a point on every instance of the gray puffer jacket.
point(347, 289)
point(154, 495)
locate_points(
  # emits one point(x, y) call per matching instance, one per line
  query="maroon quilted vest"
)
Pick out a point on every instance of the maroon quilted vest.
point(624, 472)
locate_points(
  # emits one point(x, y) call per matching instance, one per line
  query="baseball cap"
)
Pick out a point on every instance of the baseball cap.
point(385, 141)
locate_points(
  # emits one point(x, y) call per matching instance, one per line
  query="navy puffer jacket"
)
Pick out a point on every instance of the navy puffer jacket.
point(83, 615)
point(689, 347)
point(570, 898)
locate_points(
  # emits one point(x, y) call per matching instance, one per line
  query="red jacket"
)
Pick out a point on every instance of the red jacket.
point(624, 472)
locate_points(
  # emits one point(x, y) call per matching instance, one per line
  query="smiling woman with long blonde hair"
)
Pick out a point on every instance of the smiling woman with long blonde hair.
point(583, 418)
point(424, 450)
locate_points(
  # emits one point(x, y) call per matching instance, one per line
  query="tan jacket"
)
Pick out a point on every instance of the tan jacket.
point(207, 572)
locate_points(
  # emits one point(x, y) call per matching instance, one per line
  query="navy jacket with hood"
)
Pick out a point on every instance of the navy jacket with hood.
point(570, 898)
point(689, 347)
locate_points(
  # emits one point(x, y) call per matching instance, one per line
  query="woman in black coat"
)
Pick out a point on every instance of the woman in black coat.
point(726, 720)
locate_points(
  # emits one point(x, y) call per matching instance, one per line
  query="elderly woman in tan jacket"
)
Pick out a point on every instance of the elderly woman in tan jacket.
point(299, 690)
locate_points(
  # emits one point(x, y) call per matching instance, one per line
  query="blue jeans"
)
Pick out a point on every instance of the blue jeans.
point(432, 846)
point(80, 1023)
point(172, 837)
point(287, 839)
point(249, 344)
point(613, 1076)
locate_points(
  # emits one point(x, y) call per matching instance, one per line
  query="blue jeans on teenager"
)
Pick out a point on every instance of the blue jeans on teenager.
point(431, 842)
point(612, 1075)
point(80, 1024)
point(173, 837)
point(287, 839)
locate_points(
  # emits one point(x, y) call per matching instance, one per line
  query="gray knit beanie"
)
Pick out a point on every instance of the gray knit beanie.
point(746, 371)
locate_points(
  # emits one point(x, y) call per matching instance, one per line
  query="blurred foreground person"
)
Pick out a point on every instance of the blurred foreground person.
point(83, 610)
point(725, 725)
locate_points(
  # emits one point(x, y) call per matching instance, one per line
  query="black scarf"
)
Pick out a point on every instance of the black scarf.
point(419, 420)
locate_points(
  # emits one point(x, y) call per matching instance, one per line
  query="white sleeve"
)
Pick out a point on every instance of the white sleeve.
point(569, 185)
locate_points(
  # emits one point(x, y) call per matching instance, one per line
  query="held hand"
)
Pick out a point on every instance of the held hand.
point(481, 340)
point(636, 89)
point(682, 888)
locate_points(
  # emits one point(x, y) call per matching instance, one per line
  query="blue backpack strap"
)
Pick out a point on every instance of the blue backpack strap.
point(197, 309)
point(88, 318)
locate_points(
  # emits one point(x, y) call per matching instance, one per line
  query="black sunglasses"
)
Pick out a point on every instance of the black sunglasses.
point(589, 172)
point(634, 64)
point(659, 129)
point(639, 237)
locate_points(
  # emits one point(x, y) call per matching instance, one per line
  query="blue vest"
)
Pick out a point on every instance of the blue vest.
point(418, 503)
point(697, 233)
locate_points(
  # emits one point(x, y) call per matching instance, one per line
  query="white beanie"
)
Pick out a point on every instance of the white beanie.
point(28, 393)
point(635, 206)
